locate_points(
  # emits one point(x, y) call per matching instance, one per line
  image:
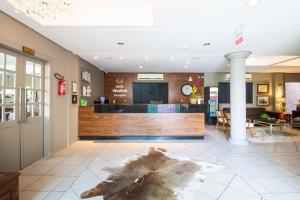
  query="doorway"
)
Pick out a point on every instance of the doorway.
point(21, 110)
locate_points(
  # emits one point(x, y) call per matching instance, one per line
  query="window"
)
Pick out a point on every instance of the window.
point(33, 89)
point(8, 66)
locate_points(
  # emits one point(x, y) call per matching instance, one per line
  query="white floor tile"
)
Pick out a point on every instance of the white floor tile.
point(30, 195)
point(54, 196)
point(26, 181)
point(45, 183)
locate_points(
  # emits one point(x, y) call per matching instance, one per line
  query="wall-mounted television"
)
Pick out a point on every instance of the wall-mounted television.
point(150, 93)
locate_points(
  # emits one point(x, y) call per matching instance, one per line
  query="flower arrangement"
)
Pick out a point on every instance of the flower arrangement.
point(195, 92)
point(196, 87)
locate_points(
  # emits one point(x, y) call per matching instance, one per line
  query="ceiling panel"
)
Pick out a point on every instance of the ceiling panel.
point(289, 63)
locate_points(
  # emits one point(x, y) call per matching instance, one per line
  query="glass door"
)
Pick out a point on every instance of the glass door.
point(8, 67)
point(9, 111)
point(21, 110)
point(32, 136)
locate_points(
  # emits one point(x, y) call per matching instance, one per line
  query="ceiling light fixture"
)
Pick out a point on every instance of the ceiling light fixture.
point(184, 47)
point(96, 58)
point(253, 2)
point(121, 58)
point(44, 9)
point(187, 62)
point(141, 67)
point(172, 58)
point(186, 67)
point(146, 58)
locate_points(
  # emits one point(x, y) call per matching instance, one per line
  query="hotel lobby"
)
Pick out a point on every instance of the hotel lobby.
point(149, 100)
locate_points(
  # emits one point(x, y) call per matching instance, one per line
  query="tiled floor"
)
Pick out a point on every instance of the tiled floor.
point(256, 171)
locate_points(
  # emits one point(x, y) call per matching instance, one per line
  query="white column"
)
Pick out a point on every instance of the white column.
point(238, 134)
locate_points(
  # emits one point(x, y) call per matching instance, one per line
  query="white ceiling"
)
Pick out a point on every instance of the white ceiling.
point(272, 33)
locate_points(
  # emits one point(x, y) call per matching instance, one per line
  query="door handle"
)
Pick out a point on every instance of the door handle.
point(25, 106)
point(23, 110)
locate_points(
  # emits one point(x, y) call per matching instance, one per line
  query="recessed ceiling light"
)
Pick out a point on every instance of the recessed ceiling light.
point(146, 58)
point(184, 47)
point(141, 67)
point(120, 43)
point(121, 58)
point(187, 62)
point(96, 58)
point(186, 67)
point(206, 44)
point(172, 58)
point(253, 2)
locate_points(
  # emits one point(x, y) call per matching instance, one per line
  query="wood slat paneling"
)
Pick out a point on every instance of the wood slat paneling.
point(140, 124)
point(174, 80)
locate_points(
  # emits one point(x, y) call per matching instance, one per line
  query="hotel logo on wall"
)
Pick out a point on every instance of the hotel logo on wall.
point(119, 90)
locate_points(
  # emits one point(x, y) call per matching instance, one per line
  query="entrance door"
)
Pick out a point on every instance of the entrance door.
point(31, 117)
point(21, 111)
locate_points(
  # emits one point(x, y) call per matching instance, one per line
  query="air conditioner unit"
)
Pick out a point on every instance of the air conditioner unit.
point(248, 77)
point(227, 77)
point(150, 77)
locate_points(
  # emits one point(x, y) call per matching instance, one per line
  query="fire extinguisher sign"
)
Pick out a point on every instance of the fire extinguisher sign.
point(61, 85)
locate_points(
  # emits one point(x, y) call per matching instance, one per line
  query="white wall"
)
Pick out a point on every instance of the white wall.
point(63, 115)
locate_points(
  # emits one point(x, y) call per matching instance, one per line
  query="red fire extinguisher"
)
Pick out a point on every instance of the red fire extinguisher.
point(61, 90)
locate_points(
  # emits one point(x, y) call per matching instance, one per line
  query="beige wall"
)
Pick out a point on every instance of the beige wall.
point(63, 115)
point(212, 79)
point(97, 78)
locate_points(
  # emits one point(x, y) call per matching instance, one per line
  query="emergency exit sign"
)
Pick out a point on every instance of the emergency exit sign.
point(239, 36)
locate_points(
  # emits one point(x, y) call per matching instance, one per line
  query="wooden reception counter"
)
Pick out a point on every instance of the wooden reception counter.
point(171, 120)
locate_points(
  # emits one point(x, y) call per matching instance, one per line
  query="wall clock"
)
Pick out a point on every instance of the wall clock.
point(186, 89)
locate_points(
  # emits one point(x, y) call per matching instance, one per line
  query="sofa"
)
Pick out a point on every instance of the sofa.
point(254, 113)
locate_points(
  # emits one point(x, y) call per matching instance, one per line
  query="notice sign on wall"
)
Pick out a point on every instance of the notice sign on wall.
point(239, 36)
point(119, 90)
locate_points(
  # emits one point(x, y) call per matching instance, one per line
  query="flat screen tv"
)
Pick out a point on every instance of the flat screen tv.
point(150, 93)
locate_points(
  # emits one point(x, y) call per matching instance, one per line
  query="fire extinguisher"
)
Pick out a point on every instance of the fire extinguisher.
point(61, 90)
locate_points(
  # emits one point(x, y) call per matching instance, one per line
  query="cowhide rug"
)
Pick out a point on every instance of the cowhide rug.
point(154, 176)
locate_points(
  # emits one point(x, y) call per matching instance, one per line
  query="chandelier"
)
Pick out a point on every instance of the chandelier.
point(45, 9)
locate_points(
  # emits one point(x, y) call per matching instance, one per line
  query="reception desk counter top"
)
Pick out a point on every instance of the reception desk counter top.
point(163, 120)
point(149, 108)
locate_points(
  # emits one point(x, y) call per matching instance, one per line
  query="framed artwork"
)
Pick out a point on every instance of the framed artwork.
point(74, 87)
point(262, 88)
point(263, 100)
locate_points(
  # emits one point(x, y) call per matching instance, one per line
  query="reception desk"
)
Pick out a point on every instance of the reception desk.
point(163, 120)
